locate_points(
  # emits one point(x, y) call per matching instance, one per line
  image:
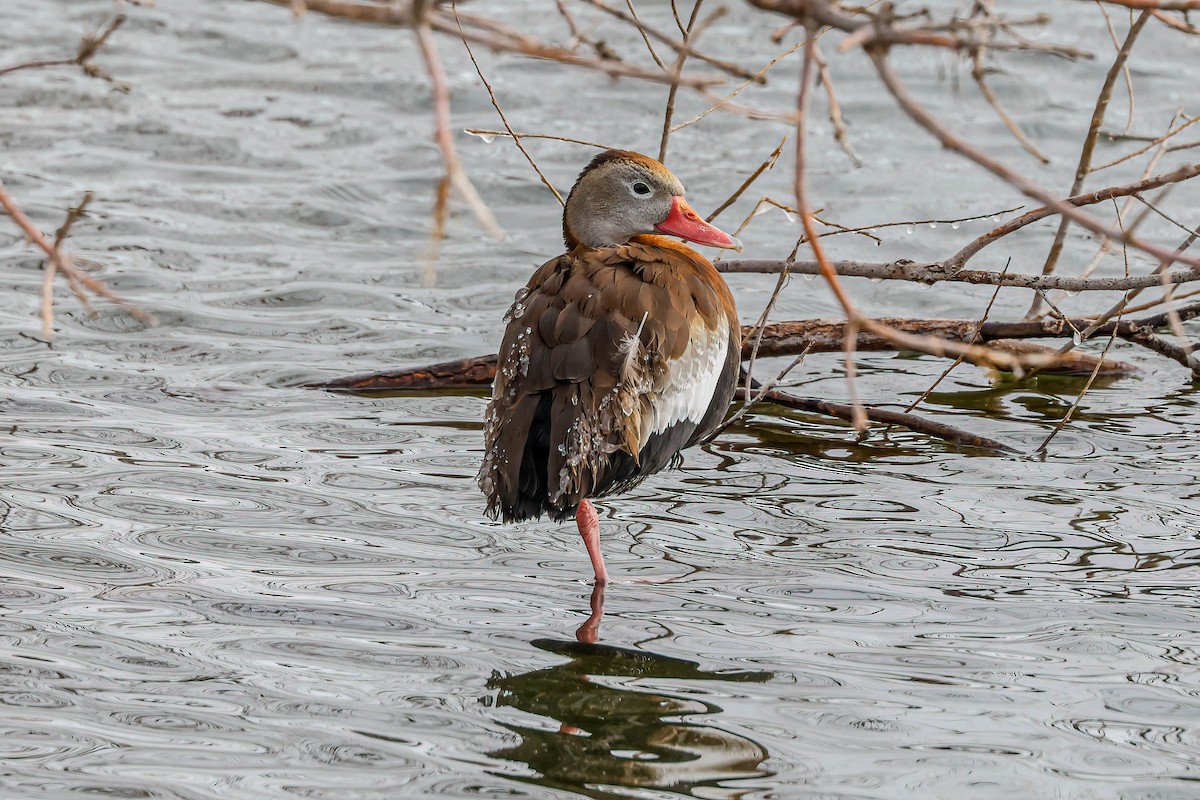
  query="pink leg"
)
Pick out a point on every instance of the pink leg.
point(589, 528)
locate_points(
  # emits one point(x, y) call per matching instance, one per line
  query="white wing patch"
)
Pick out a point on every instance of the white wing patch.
point(684, 390)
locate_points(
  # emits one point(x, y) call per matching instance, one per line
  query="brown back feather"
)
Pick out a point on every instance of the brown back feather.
point(564, 403)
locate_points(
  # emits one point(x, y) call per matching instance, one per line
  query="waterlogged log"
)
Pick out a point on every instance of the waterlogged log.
point(463, 373)
point(779, 339)
point(1070, 363)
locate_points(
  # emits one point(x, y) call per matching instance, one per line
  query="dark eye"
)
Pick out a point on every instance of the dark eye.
point(641, 188)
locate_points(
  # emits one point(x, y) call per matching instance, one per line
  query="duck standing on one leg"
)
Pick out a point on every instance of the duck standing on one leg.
point(618, 354)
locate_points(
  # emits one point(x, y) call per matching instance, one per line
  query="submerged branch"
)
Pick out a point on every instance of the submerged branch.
point(842, 411)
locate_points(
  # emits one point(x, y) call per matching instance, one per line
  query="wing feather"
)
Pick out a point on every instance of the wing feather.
point(612, 360)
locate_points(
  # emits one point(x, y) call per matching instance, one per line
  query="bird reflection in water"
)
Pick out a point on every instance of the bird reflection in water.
point(589, 632)
point(607, 736)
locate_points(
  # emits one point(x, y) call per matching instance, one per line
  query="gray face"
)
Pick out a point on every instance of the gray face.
point(619, 200)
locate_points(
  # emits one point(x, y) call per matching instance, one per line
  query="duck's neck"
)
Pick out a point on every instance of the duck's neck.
point(594, 231)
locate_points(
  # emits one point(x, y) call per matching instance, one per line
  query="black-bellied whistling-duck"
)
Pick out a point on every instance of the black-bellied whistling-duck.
point(618, 354)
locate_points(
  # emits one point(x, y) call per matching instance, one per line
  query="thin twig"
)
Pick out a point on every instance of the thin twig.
point(63, 263)
point(676, 72)
point(1153, 206)
point(1159, 271)
point(1018, 181)
point(759, 326)
point(1112, 34)
point(1160, 5)
point(915, 222)
point(766, 165)
point(723, 102)
point(1041, 448)
point(807, 219)
point(496, 105)
point(576, 34)
point(1187, 355)
point(485, 133)
point(1107, 243)
point(1089, 143)
point(88, 47)
point(835, 109)
point(529, 46)
point(974, 339)
point(495, 36)
point(1175, 22)
point(1186, 172)
point(648, 30)
point(750, 401)
point(979, 73)
point(1157, 141)
point(876, 30)
point(1169, 295)
point(51, 267)
point(641, 28)
point(1117, 311)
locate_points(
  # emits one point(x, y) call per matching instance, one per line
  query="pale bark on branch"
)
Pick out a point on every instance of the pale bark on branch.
point(929, 273)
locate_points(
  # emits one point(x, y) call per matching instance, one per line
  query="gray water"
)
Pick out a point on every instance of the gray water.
point(217, 585)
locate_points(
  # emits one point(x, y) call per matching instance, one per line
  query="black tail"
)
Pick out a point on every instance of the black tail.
point(533, 488)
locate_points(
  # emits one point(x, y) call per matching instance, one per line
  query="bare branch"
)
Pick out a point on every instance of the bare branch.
point(1089, 143)
point(88, 47)
point(683, 49)
point(496, 37)
point(1183, 173)
point(1170, 5)
point(485, 133)
point(979, 73)
point(1018, 181)
point(62, 262)
point(515, 137)
point(456, 177)
point(875, 414)
point(726, 101)
point(766, 165)
point(1141, 150)
point(676, 72)
point(1041, 448)
point(835, 110)
point(935, 272)
point(1187, 355)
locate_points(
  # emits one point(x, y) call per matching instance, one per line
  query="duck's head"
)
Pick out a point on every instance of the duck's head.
point(623, 194)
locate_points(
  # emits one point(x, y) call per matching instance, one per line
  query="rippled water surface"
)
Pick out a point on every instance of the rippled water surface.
point(216, 585)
